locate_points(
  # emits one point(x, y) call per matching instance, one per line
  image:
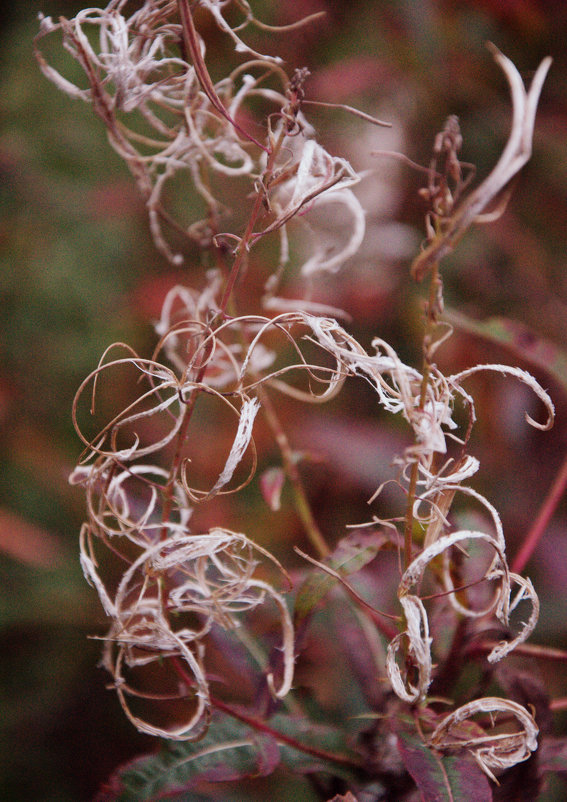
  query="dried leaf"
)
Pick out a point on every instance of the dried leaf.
point(497, 748)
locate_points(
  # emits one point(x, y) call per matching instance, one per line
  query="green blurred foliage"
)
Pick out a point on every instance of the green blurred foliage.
point(78, 271)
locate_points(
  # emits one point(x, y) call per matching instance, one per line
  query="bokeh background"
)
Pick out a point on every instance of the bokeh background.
point(78, 270)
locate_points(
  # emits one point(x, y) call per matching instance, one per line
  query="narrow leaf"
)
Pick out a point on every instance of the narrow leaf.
point(441, 778)
point(353, 552)
point(271, 484)
point(325, 746)
point(552, 756)
point(229, 751)
point(519, 340)
point(232, 750)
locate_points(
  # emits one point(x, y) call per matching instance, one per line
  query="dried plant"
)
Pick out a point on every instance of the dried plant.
point(179, 589)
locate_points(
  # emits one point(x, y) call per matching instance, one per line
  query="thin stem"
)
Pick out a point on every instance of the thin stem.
point(180, 439)
point(543, 517)
point(408, 528)
point(244, 244)
point(525, 649)
point(431, 313)
point(301, 501)
point(192, 45)
point(261, 726)
point(191, 42)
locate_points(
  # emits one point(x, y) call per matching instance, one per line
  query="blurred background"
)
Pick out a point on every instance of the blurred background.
point(78, 270)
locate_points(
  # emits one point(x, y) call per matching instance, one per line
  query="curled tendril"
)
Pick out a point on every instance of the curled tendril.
point(165, 116)
point(177, 585)
point(500, 750)
point(418, 652)
point(209, 576)
point(515, 155)
point(417, 627)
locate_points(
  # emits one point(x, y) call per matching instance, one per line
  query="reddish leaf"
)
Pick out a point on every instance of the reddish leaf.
point(552, 756)
point(229, 751)
point(441, 778)
point(271, 484)
point(352, 553)
point(518, 339)
point(28, 543)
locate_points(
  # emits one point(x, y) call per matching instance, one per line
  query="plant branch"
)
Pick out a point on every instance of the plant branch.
point(261, 726)
point(544, 515)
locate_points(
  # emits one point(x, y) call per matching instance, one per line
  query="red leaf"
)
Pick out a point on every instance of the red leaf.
point(28, 543)
point(271, 484)
point(552, 756)
point(440, 778)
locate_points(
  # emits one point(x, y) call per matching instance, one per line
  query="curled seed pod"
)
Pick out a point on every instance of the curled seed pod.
point(498, 750)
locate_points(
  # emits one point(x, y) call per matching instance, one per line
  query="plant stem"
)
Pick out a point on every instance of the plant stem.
point(261, 726)
point(431, 313)
point(301, 501)
point(242, 248)
point(525, 649)
point(543, 517)
point(193, 46)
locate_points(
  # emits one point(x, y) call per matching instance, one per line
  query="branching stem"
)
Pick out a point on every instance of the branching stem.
point(244, 244)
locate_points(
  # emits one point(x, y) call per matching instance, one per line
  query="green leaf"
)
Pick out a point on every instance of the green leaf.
point(353, 552)
point(441, 778)
point(229, 751)
point(321, 737)
point(518, 339)
point(552, 756)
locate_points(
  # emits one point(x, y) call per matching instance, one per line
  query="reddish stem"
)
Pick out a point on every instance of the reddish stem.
point(543, 517)
point(191, 42)
point(523, 649)
point(261, 726)
point(243, 245)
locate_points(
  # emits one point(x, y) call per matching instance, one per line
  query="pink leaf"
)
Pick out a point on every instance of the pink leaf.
point(271, 484)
